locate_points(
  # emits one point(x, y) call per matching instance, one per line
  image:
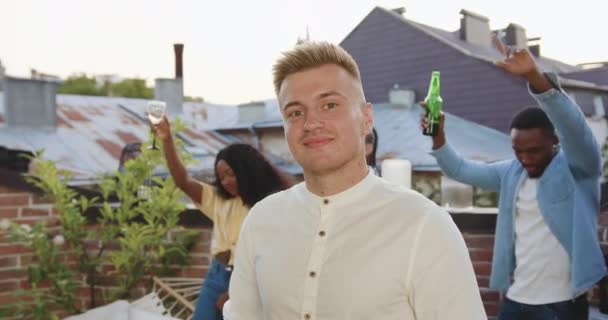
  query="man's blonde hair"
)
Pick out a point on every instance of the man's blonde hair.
point(310, 55)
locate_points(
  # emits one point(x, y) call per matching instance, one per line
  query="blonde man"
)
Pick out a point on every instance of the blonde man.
point(344, 244)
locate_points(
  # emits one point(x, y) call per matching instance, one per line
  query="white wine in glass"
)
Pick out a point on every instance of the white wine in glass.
point(155, 111)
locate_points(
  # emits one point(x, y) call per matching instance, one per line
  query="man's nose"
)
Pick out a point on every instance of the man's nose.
point(312, 121)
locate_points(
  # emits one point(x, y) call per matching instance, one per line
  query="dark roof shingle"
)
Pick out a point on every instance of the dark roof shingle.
point(390, 49)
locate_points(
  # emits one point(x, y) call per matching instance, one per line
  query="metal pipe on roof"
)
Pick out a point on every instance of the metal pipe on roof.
point(256, 134)
point(179, 68)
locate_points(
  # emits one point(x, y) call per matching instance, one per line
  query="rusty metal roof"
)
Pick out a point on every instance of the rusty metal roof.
point(91, 132)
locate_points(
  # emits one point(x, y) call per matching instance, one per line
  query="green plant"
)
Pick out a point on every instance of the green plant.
point(36, 302)
point(84, 85)
point(137, 209)
point(148, 211)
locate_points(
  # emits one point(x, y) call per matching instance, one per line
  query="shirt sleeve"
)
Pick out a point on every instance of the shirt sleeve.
point(484, 175)
point(245, 302)
point(575, 135)
point(442, 283)
point(209, 201)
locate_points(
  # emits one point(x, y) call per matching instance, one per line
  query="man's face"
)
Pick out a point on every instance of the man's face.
point(325, 118)
point(534, 148)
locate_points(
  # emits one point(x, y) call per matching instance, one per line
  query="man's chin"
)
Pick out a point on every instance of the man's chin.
point(319, 167)
point(319, 170)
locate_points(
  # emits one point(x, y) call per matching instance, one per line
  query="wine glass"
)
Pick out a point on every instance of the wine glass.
point(155, 111)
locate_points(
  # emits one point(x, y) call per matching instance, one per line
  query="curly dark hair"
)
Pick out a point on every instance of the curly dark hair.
point(129, 151)
point(532, 118)
point(372, 138)
point(255, 175)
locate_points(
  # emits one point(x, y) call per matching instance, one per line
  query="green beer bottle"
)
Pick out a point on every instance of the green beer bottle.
point(434, 103)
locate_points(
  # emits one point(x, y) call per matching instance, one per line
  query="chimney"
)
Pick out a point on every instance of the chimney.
point(171, 91)
point(535, 50)
point(515, 35)
point(475, 29)
point(401, 96)
point(534, 46)
point(179, 49)
point(2, 73)
point(400, 11)
point(30, 102)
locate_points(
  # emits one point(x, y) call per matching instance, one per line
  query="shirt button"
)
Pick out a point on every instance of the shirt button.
point(307, 316)
point(325, 201)
point(312, 274)
point(322, 233)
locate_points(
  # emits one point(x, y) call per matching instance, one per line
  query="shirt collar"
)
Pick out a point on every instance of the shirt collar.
point(356, 192)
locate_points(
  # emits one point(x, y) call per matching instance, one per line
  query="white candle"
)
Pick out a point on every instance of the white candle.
point(398, 171)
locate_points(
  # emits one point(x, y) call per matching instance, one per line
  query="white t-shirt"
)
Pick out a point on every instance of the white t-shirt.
point(542, 271)
point(374, 251)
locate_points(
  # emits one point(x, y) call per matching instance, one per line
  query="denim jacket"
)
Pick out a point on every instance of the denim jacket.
point(568, 193)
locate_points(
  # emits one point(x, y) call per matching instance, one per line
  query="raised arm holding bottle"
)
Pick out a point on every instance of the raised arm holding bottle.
point(546, 251)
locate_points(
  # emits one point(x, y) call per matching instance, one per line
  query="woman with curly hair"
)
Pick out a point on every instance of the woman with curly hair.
point(243, 176)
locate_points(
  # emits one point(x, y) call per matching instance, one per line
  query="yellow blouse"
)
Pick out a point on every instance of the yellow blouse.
point(227, 216)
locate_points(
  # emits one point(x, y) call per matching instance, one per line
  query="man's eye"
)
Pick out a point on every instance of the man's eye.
point(330, 105)
point(295, 113)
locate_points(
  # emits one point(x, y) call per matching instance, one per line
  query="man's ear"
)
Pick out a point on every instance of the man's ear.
point(555, 139)
point(368, 117)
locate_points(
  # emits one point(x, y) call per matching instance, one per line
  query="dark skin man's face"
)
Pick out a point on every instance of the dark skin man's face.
point(534, 148)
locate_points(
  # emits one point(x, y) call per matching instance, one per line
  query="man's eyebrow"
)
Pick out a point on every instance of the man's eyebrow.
point(291, 104)
point(330, 93)
point(320, 96)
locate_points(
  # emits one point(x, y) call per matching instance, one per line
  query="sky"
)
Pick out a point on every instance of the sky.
point(230, 46)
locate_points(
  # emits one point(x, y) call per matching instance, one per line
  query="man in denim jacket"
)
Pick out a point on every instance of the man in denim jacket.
point(546, 251)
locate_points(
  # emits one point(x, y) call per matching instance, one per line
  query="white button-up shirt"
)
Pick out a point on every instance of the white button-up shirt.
point(374, 251)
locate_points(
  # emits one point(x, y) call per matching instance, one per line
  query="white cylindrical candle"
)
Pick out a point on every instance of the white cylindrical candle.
point(398, 171)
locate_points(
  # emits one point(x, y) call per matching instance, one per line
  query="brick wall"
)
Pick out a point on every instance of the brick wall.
point(603, 236)
point(603, 230)
point(24, 206)
point(480, 249)
point(18, 206)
